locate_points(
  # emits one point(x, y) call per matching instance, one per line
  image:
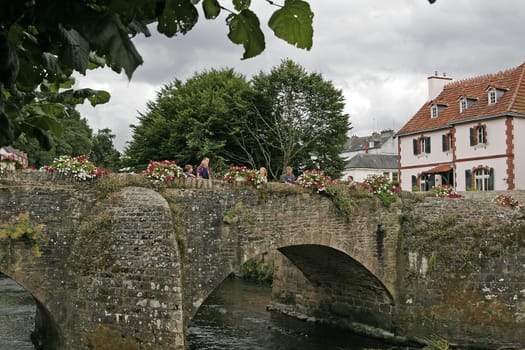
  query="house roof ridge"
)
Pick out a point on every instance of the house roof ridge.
point(482, 79)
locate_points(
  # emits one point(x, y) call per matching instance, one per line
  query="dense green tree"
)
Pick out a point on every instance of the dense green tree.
point(45, 41)
point(189, 120)
point(75, 140)
point(103, 152)
point(286, 117)
point(298, 120)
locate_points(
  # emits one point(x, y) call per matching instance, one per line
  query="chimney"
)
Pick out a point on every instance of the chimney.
point(366, 147)
point(436, 84)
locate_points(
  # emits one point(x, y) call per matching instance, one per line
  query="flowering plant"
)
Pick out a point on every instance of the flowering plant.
point(507, 201)
point(79, 167)
point(10, 162)
point(382, 187)
point(443, 191)
point(316, 180)
point(163, 172)
point(244, 175)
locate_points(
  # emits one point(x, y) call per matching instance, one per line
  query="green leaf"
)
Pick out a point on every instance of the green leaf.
point(108, 36)
point(99, 97)
point(44, 121)
point(95, 61)
point(51, 64)
point(75, 49)
point(211, 8)
point(30, 75)
point(7, 135)
point(293, 23)
point(76, 97)
point(137, 26)
point(241, 4)
point(130, 10)
point(68, 83)
point(179, 16)
point(8, 62)
point(245, 29)
point(43, 137)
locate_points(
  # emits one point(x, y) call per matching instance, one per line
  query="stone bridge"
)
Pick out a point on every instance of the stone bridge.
point(125, 267)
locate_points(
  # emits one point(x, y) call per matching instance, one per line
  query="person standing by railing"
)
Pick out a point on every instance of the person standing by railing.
point(204, 170)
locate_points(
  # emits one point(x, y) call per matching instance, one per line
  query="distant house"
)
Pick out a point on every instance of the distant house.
point(363, 165)
point(9, 155)
point(375, 154)
point(470, 134)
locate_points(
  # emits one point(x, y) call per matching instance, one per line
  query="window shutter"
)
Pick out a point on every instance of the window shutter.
point(414, 180)
point(468, 181)
point(427, 145)
point(472, 137)
point(444, 142)
point(414, 141)
point(491, 179)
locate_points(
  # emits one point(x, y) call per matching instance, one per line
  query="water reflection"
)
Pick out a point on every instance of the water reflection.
point(17, 313)
point(234, 317)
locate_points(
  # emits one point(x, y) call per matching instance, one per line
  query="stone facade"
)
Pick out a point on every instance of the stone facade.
point(129, 266)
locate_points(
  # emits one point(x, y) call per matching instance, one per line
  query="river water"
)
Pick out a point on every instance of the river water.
point(17, 312)
point(234, 317)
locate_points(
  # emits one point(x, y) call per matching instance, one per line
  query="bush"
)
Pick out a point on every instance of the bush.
point(80, 168)
point(315, 180)
point(507, 202)
point(244, 175)
point(443, 191)
point(163, 172)
point(259, 271)
point(381, 187)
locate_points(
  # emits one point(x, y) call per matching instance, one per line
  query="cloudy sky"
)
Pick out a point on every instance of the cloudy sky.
point(379, 53)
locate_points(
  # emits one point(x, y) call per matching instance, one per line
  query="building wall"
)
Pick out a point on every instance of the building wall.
point(496, 141)
point(498, 164)
point(519, 153)
point(360, 175)
point(436, 156)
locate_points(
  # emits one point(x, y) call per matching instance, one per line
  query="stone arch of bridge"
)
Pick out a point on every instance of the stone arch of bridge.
point(337, 287)
point(46, 333)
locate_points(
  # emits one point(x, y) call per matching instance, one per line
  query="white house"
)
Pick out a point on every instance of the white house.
point(364, 165)
point(375, 154)
point(470, 134)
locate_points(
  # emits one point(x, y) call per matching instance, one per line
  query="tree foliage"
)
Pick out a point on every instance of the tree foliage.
point(75, 140)
point(298, 121)
point(190, 120)
point(103, 152)
point(42, 42)
point(286, 117)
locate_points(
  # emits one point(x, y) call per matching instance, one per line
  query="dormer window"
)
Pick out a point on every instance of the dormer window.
point(463, 105)
point(492, 96)
point(436, 108)
point(433, 111)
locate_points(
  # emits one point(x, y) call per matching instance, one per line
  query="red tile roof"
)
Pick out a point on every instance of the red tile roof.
point(511, 81)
